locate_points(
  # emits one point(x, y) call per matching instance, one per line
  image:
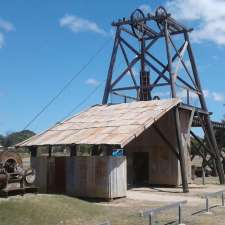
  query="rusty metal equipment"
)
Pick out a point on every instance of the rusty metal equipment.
point(159, 47)
point(13, 177)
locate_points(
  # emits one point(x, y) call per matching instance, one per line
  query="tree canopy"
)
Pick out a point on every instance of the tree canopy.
point(15, 138)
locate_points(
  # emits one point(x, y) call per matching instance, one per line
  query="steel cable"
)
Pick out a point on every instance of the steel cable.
point(67, 84)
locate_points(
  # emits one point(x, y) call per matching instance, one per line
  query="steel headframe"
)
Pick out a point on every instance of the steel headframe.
point(147, 30)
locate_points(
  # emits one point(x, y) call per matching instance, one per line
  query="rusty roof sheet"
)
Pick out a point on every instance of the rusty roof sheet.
point(105, 124)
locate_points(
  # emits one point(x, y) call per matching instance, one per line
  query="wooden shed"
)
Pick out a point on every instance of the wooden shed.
point(144, 130)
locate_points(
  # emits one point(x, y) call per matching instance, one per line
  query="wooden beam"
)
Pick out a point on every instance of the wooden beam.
point(165, 139)
point(73, 150)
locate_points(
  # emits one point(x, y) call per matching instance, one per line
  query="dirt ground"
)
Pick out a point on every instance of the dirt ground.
point(168, 195)
point(121, 211)
point(193, 212)
point(59, 209)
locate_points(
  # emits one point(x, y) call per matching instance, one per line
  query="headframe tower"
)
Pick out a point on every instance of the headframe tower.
point(159, 46)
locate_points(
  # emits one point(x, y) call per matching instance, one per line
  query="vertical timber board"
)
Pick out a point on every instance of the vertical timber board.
point(70, 176)
point(118, 178)
point(81, 176)
point(101, 177)
point(96, 177)
point(164, 166)
point(51, 175)
point(60, 174)
point(164, 163)
point(40, 164)
point(111, 170)
point(90, 177)
point(130, 169)
point(121, 177)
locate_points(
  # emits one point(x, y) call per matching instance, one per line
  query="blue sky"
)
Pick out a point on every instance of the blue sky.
point(44, 43)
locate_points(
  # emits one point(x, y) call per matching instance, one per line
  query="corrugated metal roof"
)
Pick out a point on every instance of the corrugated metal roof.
point(105, 124)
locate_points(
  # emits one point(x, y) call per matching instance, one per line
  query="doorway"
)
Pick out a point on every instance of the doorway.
point(141, 168)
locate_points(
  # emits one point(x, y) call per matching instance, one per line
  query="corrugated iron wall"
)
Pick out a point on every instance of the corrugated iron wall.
point(95, 177)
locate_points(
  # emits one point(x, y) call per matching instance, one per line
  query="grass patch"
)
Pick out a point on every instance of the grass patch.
point(62, 210)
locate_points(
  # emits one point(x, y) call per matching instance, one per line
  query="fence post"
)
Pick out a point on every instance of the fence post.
point(179, 215)
point(222, 195)
point(151, 219)
point(207, 204)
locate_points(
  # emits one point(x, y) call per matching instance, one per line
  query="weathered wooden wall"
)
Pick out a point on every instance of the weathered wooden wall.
point(164, 166)
point(50, 173)
point(40, 165)
point(96, 177)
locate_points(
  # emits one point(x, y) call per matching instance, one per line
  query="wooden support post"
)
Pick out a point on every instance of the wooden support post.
point(109, 150)
point(181, 151)
point(176, 112)
point(33, 151)
point(94, 150)
point(49, 151)
point(111, 67)
point(165, 139)
point(208, 124)
point(73, 150)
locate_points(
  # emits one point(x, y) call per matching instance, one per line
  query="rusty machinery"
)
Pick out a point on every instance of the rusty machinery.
point(158, 47)
point(13, 177)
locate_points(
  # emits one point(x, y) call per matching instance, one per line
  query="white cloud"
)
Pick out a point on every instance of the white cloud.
point(215, 96)
point(218, 97)
point(209, 15)
point(135, 72)
point(2, 40)
point(92, 82)
point(183, 94)
point(6, 25)
point(145, 8)
point(78, 24)
point(206, 93)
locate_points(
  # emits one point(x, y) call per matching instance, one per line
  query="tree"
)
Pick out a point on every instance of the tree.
point(16, 137)
point(2, 138)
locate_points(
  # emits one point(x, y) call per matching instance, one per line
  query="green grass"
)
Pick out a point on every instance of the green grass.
point(62, 210)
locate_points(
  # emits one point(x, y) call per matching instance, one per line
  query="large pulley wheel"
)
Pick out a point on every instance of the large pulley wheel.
point(160, 14)
point(10, 160)
point(7, 155)
point(30, 176)
point(137, 23)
